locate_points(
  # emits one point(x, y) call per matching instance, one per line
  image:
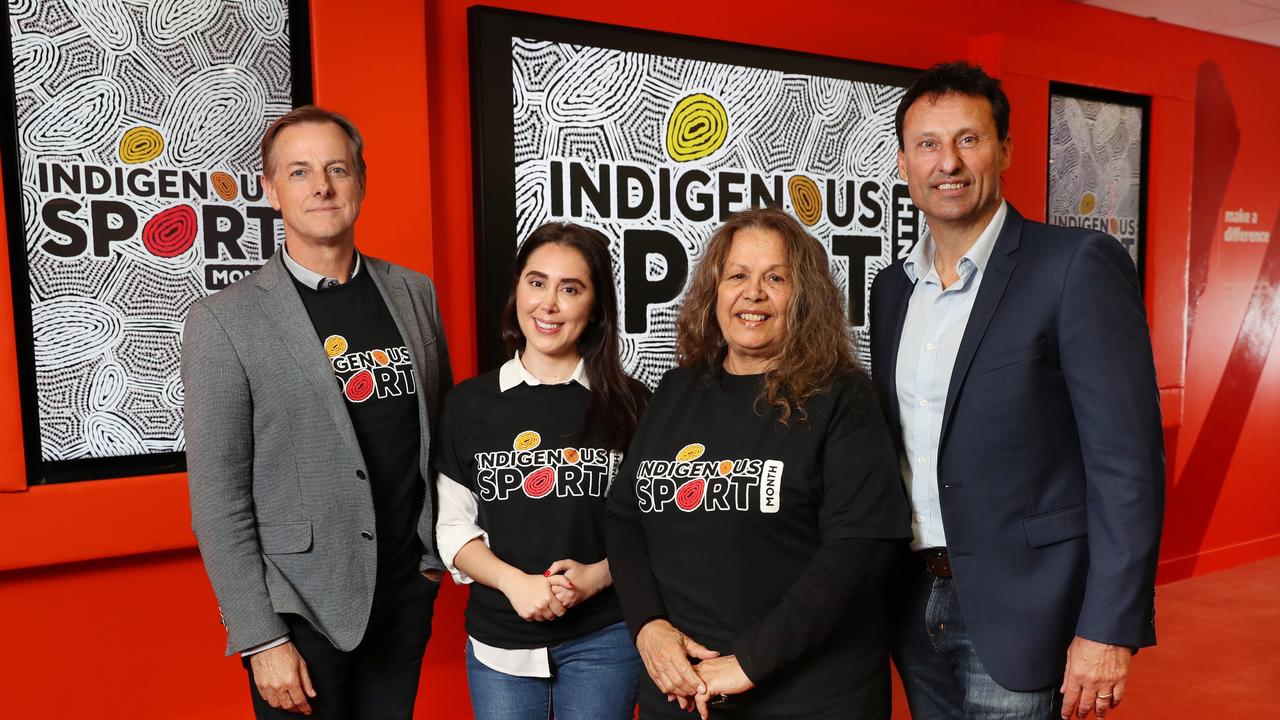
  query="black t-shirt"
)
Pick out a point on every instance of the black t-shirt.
point(541, 490)
point(733, 507)
point(375, 375)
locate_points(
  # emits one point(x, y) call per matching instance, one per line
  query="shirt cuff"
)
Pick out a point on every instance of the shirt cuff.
point(264, 646)
point(457, 523)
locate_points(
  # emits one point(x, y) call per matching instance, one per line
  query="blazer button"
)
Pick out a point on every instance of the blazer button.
point(366, 534)
point(360, 474)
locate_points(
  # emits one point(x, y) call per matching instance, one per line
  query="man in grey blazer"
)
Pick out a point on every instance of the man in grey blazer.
point(311, 390)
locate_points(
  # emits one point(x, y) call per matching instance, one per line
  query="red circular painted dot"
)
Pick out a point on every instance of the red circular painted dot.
point(689, 496)
point(169, 233)
point(359, 386)
point(539, 482)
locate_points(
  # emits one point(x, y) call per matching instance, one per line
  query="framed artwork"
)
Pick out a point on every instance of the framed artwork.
point(129, 133)
point(655, 139)
point(1098, 143)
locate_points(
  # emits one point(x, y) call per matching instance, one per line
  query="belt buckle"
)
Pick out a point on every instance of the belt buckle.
point(937, 562)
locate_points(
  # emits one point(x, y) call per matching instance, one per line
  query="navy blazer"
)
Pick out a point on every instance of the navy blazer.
point(1051, 462)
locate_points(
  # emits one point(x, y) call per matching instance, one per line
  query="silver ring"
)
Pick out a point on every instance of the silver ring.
point(720, 699)
point(1104, 697)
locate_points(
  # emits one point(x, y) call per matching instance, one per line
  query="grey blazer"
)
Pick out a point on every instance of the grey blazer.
point(279, 500)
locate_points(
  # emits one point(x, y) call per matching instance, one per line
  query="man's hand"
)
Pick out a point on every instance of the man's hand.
point(282, 680)
point(666, 652)
point(1095, 678)
point(721, 676)
point(531, 597)
point(573, 583)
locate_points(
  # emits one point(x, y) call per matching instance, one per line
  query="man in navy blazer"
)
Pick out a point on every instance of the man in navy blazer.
point(1014, 364)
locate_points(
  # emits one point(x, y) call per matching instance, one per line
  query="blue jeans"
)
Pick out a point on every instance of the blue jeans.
point(943, 676)
point(593, 677)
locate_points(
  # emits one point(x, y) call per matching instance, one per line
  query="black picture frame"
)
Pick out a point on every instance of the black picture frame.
point(1125, 99)
point(491, 31)
point(38, 470)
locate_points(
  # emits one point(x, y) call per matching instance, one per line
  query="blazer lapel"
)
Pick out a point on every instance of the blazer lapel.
point(282, 305)
point(994, 280)
point(400, 304)
point(902, 296)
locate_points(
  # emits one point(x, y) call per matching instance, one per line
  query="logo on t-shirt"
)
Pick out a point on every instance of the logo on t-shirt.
point(689, 483)
point(559, 472)
point(364, 374)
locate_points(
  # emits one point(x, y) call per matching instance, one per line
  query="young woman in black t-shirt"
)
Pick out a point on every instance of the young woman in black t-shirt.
point(525, 457)
point(752, 525)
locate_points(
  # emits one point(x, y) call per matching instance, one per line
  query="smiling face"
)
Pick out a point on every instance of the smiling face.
point(752, 298)
point(554, 302)
point(314, 185)
point(952, 159)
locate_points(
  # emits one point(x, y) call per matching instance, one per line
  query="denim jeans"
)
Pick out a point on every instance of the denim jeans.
point(943, 676)
point(593, 677)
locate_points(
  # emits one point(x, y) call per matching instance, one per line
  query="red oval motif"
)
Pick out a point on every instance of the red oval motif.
point(169, 233)
point(539, 482)
point(359, 386)
point(689, 496)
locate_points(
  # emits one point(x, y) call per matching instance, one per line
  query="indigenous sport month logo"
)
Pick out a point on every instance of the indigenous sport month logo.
point(88, 208)
point(536, 474)
point(365, 374)
point(690, 483)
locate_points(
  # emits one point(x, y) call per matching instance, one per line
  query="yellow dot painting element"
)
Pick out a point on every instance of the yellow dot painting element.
point(690, 452)
point(140, 144)
point(335, 345)
point(697, 127)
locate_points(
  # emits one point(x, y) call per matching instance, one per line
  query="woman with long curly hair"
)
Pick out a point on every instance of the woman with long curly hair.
point(753, 524)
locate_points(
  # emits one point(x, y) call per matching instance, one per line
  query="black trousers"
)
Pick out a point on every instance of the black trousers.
point(378, 680)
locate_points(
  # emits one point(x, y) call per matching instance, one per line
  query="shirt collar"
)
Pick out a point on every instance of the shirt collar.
point(921, 256)
point(513, 373)
point(309, 277)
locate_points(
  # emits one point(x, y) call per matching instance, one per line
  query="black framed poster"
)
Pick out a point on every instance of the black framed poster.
point(1098, 142)
point(130, 147)
point(654, 139)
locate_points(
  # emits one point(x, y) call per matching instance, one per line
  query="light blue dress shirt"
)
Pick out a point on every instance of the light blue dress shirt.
point(935, 323)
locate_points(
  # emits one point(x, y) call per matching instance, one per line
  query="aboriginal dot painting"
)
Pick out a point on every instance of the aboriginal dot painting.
point(138, 124)
point(1096, 167)
point(656, 150)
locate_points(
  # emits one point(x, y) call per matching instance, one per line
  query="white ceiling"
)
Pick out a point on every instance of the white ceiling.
point(1256, 20)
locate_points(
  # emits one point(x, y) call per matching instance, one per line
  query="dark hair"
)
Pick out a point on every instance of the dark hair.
point(310, 114)
point(816, 351)
point(616, 399)
point(963, 79)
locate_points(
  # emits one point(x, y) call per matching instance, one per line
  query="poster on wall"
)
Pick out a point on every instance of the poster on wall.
point(1097, 163)
point(655, 139)
point(133, 126)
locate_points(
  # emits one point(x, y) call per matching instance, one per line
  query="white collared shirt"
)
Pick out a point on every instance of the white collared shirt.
point(458, 525)
point(309, 277)
point(935, 323)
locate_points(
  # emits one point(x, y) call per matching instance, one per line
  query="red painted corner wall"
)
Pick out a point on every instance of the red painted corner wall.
point(103, 603)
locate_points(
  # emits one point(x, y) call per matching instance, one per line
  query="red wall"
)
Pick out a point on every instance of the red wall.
point(104, 606)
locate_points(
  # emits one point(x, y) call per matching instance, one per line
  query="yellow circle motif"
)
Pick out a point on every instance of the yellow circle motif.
point(527, 440)
point(140, 144)
point(697, 127)
point(690, 452)
point(335, 345)
point(1087, 203)
point(805, 199)
point(224, 185)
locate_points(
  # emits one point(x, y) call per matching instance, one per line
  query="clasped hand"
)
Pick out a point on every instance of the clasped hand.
point(666, 652)
point(539, 598)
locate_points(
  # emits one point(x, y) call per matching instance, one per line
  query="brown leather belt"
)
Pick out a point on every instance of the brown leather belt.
point(936, 561)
